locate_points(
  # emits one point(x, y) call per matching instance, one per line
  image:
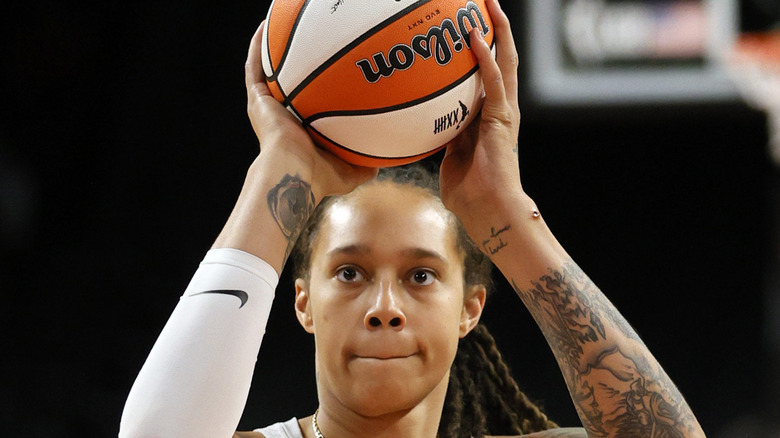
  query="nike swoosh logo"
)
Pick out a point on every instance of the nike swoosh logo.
point(241, 295)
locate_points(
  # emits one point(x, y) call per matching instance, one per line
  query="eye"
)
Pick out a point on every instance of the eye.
point(423, 277)
point(349, 274)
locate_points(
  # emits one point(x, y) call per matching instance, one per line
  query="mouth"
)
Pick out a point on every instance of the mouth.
point(384, 357)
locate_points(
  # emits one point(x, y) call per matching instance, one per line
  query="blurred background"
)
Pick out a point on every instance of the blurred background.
point(124, 142)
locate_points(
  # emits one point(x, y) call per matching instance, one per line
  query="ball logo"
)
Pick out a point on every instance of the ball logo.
point(453, 118)
point(434, 43)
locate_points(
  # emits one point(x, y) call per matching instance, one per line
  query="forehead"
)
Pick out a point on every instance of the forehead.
point(386, 217)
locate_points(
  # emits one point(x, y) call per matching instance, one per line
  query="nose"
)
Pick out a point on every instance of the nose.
point(385, 310)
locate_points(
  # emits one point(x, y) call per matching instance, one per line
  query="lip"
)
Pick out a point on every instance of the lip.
point(384, 357)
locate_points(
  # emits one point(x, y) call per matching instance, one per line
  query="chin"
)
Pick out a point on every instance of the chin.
point(384, 403)
point(383, 396)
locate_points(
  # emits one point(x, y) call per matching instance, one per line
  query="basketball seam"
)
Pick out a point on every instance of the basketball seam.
point(404, 105)
point(346, 49)
point(275, 71)
point(268, 41)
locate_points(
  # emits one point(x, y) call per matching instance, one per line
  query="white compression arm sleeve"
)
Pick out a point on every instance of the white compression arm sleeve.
point(196, 379)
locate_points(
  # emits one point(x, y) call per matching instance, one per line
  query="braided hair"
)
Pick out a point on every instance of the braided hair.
point(482, 396)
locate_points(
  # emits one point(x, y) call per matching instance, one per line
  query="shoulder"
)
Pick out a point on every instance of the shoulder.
point(564, 432)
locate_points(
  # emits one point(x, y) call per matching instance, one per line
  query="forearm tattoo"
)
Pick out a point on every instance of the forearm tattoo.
point(617, 387)
point(291, 203)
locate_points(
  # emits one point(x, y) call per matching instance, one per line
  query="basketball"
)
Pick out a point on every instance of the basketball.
point(379, 83)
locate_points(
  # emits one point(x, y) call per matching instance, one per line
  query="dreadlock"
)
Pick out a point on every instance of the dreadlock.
point(482, 396)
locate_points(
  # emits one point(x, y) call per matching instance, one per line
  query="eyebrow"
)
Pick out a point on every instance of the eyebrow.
point(363, 250)
point(349, 250)
point(422, 253)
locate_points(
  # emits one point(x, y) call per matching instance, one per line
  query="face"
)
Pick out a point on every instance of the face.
point(385, 299)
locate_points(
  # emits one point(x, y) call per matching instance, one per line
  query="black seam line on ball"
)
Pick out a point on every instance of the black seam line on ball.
point(332, 60)
point(274, 72)
point(404, 105)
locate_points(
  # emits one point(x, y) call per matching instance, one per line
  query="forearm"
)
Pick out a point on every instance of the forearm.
point(274, 204)
point(197, 376)
point(196, 379)
point(617, 386)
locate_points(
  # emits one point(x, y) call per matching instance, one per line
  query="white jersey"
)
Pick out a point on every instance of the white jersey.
point(288, 429)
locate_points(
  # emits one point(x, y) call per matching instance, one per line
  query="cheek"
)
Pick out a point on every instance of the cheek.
point(334, 319)
point(453, 303)
point(447, 322)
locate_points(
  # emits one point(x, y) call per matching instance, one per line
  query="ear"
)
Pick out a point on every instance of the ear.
point(472, 308)
point(302, 308)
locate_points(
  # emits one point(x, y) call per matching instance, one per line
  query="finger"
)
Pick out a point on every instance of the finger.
point(506, 50)
point(492, 78)
point(254, 76)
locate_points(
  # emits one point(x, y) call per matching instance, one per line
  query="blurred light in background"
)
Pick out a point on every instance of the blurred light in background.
point(604, 52)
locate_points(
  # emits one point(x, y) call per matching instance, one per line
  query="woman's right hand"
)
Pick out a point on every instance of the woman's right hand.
point(286, 181)
point(286, 142)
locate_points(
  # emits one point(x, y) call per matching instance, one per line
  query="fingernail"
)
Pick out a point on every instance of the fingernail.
point(497, 4)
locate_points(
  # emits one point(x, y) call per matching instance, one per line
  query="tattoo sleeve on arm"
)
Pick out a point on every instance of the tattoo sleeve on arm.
point(617, 387)
point(291, 203)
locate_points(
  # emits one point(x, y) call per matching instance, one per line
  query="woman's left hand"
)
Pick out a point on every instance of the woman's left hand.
point(480, 169)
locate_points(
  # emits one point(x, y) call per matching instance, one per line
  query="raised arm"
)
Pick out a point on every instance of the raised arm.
point(617, 386)
point(197, 376)
point(286, 181)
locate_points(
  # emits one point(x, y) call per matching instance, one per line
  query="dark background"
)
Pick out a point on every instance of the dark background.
point(123, 145)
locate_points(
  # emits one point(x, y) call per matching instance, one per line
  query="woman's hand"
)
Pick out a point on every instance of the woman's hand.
point(480, 169)
point(286, 181)
point(284, 140)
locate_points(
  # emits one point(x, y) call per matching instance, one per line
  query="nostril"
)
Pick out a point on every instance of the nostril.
point(374, 322)
point(395, 322)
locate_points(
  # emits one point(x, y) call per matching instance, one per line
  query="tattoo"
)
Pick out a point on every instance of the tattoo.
point(495, 243)
point(291, 203)
point(616, 386)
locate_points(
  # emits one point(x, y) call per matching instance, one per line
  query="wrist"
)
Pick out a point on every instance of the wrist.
point(274, 165)
point(513, 233)
point(523, 249)
point(494, 210)
point(274, 205)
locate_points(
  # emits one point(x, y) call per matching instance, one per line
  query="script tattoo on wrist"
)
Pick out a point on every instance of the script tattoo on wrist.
point(495, 242)
point(616, 386)
point(291, 203)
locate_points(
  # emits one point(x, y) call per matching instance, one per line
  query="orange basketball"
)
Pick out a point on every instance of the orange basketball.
point(377, 82)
